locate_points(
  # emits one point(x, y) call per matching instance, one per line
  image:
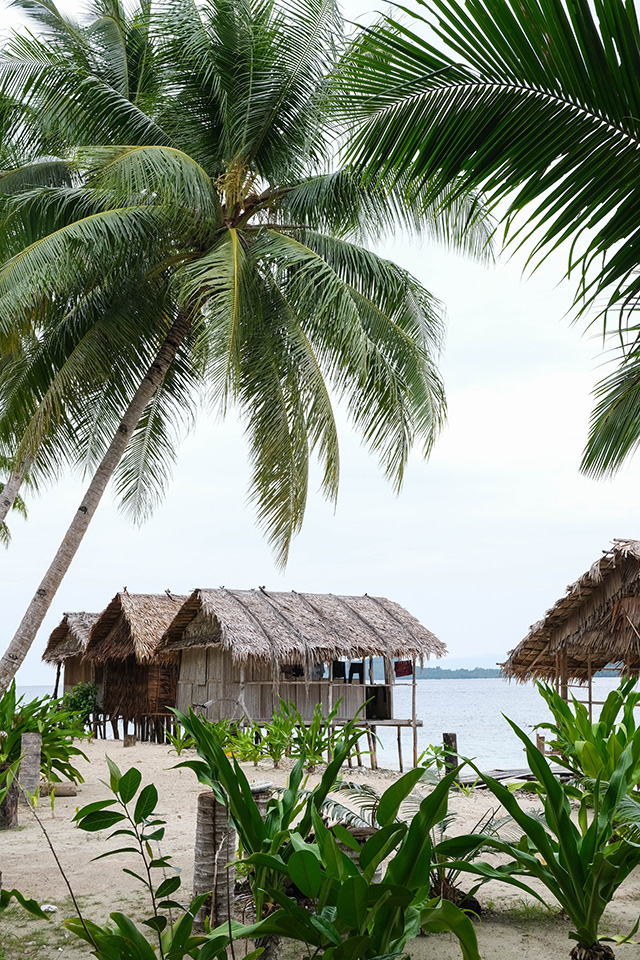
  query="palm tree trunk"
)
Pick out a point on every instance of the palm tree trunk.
point(32, 620)
point(11, 488)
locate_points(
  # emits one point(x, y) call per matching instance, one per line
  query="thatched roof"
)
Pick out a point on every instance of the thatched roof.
point(597, 622)
point(132, 624)
point(70, 637)
point(299, 627)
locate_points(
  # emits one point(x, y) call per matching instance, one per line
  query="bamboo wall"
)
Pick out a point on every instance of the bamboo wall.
point(209, 673)
point(76, 671)
point(132, 690)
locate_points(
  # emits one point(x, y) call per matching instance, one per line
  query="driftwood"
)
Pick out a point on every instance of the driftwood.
point(64, 789)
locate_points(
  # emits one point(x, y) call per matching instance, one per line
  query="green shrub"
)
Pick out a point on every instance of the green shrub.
point(349, 916)
point(58, 728)
point(593, 750)
point(82, 701)
point(581, 864)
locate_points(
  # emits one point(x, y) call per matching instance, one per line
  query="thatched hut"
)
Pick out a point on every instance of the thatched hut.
point(596, 624)
point(134, 684)
point(66, 646)
point(243, 650)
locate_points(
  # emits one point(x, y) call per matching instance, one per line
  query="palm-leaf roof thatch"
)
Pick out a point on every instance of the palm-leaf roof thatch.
point(299, 627)
point(596, 623)
point(70, 637)
point(132, 625)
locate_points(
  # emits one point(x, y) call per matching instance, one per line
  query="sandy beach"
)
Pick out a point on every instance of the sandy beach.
point(512, 924)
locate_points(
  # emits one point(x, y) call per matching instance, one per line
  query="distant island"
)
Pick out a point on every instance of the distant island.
point(441, 673)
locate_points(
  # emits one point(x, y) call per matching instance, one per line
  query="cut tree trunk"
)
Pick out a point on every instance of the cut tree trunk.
point(37, 610)
point(9, 806)
point(215, 849)
point(31, 744)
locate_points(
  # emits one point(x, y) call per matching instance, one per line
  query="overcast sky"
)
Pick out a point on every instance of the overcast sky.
point(483, 538)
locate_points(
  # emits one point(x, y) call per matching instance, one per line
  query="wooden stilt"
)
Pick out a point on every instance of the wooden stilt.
point(400, 749)
point(58, 669)
point(374, 749)
point(358, 753)
point(413, 713)
point(564, 691)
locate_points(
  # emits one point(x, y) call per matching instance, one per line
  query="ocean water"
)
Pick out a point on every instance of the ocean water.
point(472, 709)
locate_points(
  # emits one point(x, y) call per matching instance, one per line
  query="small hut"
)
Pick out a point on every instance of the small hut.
point(241, 651)
point(135, 686)
point(66, 645)
point(595, 625)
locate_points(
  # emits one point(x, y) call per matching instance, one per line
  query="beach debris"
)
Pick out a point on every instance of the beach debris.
point(49, 908)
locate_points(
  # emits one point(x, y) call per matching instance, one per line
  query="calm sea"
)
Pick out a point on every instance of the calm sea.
point(472, 709)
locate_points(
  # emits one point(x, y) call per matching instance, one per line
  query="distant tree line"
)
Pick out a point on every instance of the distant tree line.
point(441, 673)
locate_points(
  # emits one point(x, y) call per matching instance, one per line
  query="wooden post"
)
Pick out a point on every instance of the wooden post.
point(31, 746)
point(451, 762)
point(241, 689)
point(564, 691)
point(540, 742)
point(590, 689)
point(400, 748)
point(358, 752)
point(413, 713)
point(215, 848)
point(58, 671)
point(374, 749)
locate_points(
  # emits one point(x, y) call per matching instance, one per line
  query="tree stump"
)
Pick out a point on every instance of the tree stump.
point(31, 744)
point(129, 740)
point(450, 741)
point(262, 793)
point(215, 849)
point(9, 806)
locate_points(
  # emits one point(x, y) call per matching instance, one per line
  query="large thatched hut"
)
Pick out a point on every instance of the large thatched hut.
point(243, 650)
point(66, 646)
point(135, 686)
point(596, 624)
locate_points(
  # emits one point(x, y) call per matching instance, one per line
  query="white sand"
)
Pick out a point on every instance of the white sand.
point(514, 925)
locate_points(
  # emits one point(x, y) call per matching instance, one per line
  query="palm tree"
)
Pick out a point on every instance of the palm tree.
point(538, 105)
point(200, 246)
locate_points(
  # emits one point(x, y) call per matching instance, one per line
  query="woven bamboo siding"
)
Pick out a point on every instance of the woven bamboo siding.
point(76, 671)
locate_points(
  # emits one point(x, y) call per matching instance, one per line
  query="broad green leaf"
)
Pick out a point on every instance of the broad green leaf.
point(146, 803)
point(31, 906)
point(392, 797)
point(168, 886)
point(114, 774)
point(129, 784)
point(352, 902)
point(100, 820)
point(91, 807)
point(305, 872)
